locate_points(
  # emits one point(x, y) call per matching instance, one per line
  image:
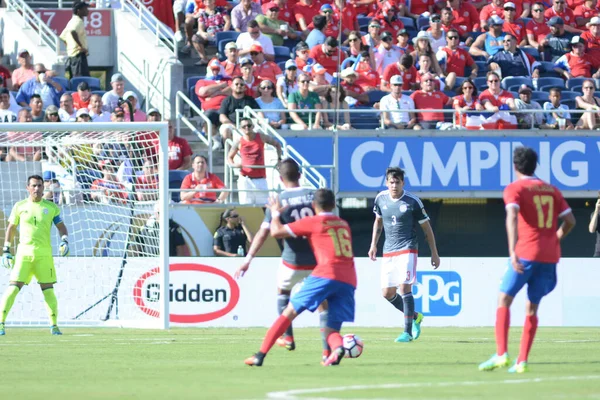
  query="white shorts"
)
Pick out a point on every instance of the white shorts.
point(399, 270)
point(257, 198)
point(288, 277)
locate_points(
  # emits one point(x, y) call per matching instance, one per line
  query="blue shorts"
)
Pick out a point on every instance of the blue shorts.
point(539, 277)
point(339, 296)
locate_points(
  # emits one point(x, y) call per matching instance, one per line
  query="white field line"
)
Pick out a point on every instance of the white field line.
point(293, 394)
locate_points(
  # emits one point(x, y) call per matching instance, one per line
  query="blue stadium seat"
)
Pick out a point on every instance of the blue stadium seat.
point(474, 35)
point(550, 81)
point(93, 83)
point(175, 179)
point(231, 35)
point(525, 20)
point(514, 88)
point(515, 94)
point(375, 96)
point(412, 33)
point(191, 81)
point(221, 47)
point(515, 80)
point(364, 120)
point(62, 81)
point(281, 53)
point(281, 65)
point(532, 51)
point(290, 43)
point(568, 95)
point(571, 104)
point(482, 68)
point(363, 20)
point(575, 82)
point(539, 96)
point(548, 70)
point(578, 89)
point(480, 82)
point(363, 28)
point(98, 92)
point(191, 92)
point(422, 22)
point(408, 22)
point(459, 81)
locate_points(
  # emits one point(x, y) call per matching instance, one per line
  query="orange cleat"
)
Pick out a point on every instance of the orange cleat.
point(287, 342)
point(256, 360)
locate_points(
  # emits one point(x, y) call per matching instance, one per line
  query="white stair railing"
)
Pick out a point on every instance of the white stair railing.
point(147, 20)
point(31, 21)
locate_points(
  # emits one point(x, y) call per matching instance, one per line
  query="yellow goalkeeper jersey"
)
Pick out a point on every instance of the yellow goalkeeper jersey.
point(35, 220)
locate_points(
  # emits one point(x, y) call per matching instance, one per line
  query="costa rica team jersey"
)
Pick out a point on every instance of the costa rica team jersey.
point(540, 205)
point(400, 218)
point(331, 241)
point(296, 251)
point(35, 220)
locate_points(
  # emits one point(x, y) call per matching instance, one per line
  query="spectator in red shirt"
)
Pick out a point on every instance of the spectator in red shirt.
point(180, 153)
point(108, 189)
point(200, 179)
point(249, 77)
point(584, 13)
point(368, 78)
point(347, 12)
point(417, 7)
point(211, 92)
point(559, 9)
point(328, 55)
point(302, 55)
point(146, 185)
point(465, 101)
point(25, 71)
point(495, 8)
point(454, 59)
point(231, 65)
point(389, 18)
point(428, 98)
point(304, 11)
point(515, 28)
point(353, 90)
point(537, 29)
point(577, 63)
point(263, 69)
point(592, 37)
point(494, 97)
point(81, 98)
point(465, 16)
point(405, 69)
point(331, 21)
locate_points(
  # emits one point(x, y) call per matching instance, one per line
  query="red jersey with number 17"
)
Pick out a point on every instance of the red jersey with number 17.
point(331, 241)
point(540, 205)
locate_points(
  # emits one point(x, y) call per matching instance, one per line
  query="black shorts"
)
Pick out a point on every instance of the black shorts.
point(78, 65)
point(213, 115)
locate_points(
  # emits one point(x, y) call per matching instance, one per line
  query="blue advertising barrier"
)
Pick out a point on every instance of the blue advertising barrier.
point(457, 166)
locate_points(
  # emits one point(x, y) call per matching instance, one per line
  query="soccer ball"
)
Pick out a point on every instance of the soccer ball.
point(353, 346)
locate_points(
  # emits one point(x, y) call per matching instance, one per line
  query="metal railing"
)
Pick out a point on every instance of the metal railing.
point(147, 20)
point(30, 20)
point(181, 98)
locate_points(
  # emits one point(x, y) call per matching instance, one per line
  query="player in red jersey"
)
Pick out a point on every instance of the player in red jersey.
point(333, 279)
point(532, 211)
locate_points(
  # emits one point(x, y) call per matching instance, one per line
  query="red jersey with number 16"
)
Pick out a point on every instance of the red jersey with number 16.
point(540, 205)
point(331, 241)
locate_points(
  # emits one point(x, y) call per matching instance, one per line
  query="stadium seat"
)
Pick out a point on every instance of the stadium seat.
point(539, 96)
point(375, 96)
point(363, 21)
point(363, 28)
point(408, 22)
point(510, 81)
point(175, 179)
point(515, 94)
point(480, 82)
point(365, 120)
point(62, 81)
point(578, 89)
point(474, 35)
point(568, 95)
point(98, 92)
point(281, 65)
point(575, 82)
point(422, 22)
point(532, 51)
point(281, 53)
point(93, 83)
point(548, 69)
point(550, 81)
point(192, 96)
point(569, 103)
point(482, 68)
point(290, 43)
point(191, 81)
point(412, 33)
point(459, 81)
point(230, 35)
point(221, 47)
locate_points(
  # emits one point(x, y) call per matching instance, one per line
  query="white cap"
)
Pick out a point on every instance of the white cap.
point(230, 45)
point(594, 21)
point(82, 111)
point(396, 80)
point(290, 64)
point(130, 93)
point(348, 72)
point(422, 35)
point(509, 5)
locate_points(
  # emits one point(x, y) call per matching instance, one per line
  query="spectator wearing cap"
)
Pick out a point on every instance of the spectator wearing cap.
point(108, 189)
point(37, 108)
point(211, 20)
point(423, 47)
point(512, 25)
point(465, 101)
point(75, 38)
point(153, 115)
point(25, 71)
point(6, 114)
point(231, 65)
point(320, 78)
point(302, 55)
point(495, 8)
point(331, 21)
point(453, 59)
point(429, 98)
point(386, 53)
point(200, 180)
point(494, 96)
point(512, 61)
point(81, 98)
point(263, 69)
point(557, 110)
point(489, 43)
point(285, 14)
point(404, 68)
point(559, 9)
point(111, 98)
point(577, 63)
point(304, 12)
point(211, 92)
point(237, 100)
point(558, 42)
point(537, 28)
point(138, 115)
point(254, 36)
point(96, 109)
point(356, 95)
point(267, 100)
point(389, 17)
point(592, 37)
point(465, 16)
point(243, 13)
point(589, 102)
point(524, 102)
point(436, 35)
point(118, 114)
point(373, 36)
point(403, 39)
point(250, 79)
point(274, 28)
point(288, 82)
point(328, 55)
point(42, 84)
point(304, 99)
point(67, 112)
point(231, 236)
point(394, 107)
point(317, 36)
point(585, 12)
point(83, 115)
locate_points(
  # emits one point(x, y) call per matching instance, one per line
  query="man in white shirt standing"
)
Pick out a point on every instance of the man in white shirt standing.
point(386, 53)
point(397, 101)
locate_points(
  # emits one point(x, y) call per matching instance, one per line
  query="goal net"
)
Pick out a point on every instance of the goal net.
point(111, 184)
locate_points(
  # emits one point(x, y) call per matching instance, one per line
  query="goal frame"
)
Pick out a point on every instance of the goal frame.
point(163, 190)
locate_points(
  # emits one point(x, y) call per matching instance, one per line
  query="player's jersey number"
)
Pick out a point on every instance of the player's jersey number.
point(341, 241)
point(544, 220)
point(302, 213)
point(394, 222)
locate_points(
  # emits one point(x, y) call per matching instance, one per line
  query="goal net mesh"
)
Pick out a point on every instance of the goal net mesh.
point(106, 184)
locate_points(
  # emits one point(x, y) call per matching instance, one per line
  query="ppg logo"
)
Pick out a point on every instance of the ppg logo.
point(438, 293)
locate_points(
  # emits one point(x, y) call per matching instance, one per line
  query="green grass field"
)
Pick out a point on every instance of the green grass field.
point(208, 364)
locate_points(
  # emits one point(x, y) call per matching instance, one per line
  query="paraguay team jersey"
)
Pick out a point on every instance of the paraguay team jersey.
point(35, 220)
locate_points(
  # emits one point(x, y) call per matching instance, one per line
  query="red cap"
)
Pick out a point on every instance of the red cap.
point(270, 5)
point(257, 48)
point(214, 64)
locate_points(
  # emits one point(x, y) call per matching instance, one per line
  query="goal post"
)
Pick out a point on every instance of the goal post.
point(111, 182)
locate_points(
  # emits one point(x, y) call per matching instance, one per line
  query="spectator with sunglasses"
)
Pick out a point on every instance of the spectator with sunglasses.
point(304, 99)
point(229, 238)
point(237, 100)
point(303, 55)
point(536, 28)
point(512, 25)
point(436, 35)
point(453, 59)
point(328, 55)
point(245, 41)
point(558, 42)
point(266, 100)
point(559, 9)
point(429, 98)
point(494, 96)
point(288, 83)
point(465, 101)
point(41, 84)
point(276, 29)
point(386, 53)
point(263, 69)
point(373, 36)
point(51, 114)
point(394, 106)
point(512, 61)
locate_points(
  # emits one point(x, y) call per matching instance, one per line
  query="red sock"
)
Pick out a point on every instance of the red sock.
point(529, 329)
point(502, 325)
point(334, 340)
point(275, 331)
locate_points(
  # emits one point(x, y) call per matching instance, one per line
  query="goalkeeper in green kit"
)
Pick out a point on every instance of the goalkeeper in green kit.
point(34, 216)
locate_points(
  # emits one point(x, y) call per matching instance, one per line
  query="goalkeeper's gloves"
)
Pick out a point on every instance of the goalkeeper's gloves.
point(7, 258)
point(63, 249)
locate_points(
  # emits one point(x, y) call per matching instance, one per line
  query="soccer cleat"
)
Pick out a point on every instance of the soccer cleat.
point(335, 357)
point(2, 331)
point(287, 342)
point(256, 360)
point(404, 338)
point(417, 326)
point(55, 331)
point(519, 368)
point(494, 362)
